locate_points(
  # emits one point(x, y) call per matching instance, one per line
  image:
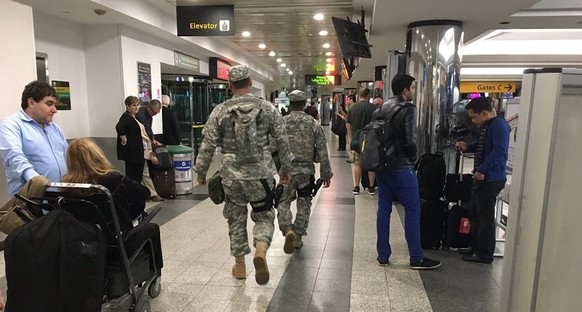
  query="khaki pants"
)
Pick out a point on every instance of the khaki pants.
point(146, 180)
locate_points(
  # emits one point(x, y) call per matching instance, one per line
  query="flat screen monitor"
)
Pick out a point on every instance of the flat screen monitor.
point(352, 38)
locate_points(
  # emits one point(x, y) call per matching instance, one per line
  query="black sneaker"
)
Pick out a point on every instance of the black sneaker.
point(372, 191)
point(356, 190)
point(425, 264)
point(465, 251)
point(382, 263)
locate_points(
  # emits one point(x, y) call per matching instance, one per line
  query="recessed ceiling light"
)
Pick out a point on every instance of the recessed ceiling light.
point(283, 65)
point(279, 60)
point(246, 33)
point(318, 17)
point(328, 60)
point(323, 33)
point(287, 69)
point(262, 45)
point(328, 53)
point(290, 72)
point(326, 45)
point(272, 53)
point(327, 72)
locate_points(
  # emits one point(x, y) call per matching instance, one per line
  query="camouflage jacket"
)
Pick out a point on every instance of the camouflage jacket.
point(307, 143)
point(218, 131)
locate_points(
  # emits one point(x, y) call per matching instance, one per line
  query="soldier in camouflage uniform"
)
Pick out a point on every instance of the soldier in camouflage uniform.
point(308, 144)
point(242, 127)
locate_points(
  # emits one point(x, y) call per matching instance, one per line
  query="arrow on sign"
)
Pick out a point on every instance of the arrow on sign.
point(508, 87)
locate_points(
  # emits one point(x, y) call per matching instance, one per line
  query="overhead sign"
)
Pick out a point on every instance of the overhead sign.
point(218, 68)
point(186, 61)
point(488, 86)
point(318, 80)
point(206, 20)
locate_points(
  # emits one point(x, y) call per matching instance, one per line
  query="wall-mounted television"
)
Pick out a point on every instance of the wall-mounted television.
point(349, 64)
point(352, 38)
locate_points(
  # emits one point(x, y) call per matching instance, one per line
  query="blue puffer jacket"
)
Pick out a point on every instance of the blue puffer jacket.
point(495, 152)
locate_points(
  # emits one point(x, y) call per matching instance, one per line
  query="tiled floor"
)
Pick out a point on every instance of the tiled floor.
point(335, 271)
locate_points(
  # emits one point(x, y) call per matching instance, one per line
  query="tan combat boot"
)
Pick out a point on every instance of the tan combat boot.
point(297, 243)
point(260, 262)
point(289, 238)
point(239, 269)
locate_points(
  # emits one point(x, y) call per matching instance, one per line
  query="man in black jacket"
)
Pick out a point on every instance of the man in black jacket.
point(170, 129)
point(399, 182)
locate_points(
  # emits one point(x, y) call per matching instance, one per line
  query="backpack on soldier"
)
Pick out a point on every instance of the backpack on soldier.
point(244, 121)
point(377, 144)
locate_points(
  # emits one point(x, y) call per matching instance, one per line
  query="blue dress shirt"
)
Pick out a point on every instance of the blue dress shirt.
point(28, 150)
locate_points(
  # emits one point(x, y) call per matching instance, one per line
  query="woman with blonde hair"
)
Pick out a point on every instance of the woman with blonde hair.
point(87, 164)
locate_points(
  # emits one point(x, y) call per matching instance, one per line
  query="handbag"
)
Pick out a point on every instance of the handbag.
point(339, 126)
point(17, 211)
point(215, 189)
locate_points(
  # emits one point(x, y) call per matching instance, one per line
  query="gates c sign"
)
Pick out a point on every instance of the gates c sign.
point(488, 86)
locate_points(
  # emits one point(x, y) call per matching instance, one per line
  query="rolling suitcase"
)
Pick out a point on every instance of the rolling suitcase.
point(432, 213)
point(164, 181)
point(458, 229)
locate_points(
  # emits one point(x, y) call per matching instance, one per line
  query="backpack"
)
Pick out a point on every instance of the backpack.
point(165, 161)
point(244, 122)
point(377, 144)
point(431, 172)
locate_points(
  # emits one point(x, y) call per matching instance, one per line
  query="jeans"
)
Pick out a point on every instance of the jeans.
point(402, 185)
point(482, 217)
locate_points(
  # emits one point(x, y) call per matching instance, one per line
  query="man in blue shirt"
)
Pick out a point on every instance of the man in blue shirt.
point(488, 179)
point(30, 143)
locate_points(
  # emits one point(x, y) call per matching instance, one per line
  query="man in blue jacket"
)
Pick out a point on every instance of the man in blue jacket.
point(488, 179)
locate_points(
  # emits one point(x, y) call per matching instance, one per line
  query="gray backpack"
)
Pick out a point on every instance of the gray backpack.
point(244, 121)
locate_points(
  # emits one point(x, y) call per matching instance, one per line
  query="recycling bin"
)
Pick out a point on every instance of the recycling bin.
point(182, 158)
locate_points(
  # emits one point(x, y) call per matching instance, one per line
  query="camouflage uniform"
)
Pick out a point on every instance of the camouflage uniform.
point(241, 179)
point(307, 142)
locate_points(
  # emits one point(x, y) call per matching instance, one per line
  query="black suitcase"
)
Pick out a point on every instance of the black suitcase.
point(458, 192)
point(164, 182)
point(458, 227)
point(55, 264)
point(432, 213)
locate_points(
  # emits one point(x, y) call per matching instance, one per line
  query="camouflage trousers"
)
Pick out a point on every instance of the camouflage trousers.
point(284, 215)
point(238, 194)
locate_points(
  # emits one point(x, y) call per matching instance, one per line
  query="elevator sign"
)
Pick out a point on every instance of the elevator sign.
point(488, 86)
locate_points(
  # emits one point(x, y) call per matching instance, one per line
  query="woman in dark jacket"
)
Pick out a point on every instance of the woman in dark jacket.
point(130, 146)
point(86, 163)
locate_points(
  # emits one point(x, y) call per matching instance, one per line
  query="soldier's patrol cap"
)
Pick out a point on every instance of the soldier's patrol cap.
point(297, 95)
point(238, 73)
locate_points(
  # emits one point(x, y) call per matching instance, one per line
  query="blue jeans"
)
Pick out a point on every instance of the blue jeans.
point(400, 185)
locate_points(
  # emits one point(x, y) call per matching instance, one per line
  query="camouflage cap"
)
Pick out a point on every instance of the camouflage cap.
point(238, 73)
point(297, 95)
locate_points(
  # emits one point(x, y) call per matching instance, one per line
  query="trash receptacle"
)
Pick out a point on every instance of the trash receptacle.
point(182, 157)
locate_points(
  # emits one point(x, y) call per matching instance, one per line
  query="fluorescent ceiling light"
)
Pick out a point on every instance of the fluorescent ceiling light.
point(246, 33)
point(492, 70)
point(318, 16)
point(262, 45)
point(527, 42)
point(323, 33)
point(326, 45)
